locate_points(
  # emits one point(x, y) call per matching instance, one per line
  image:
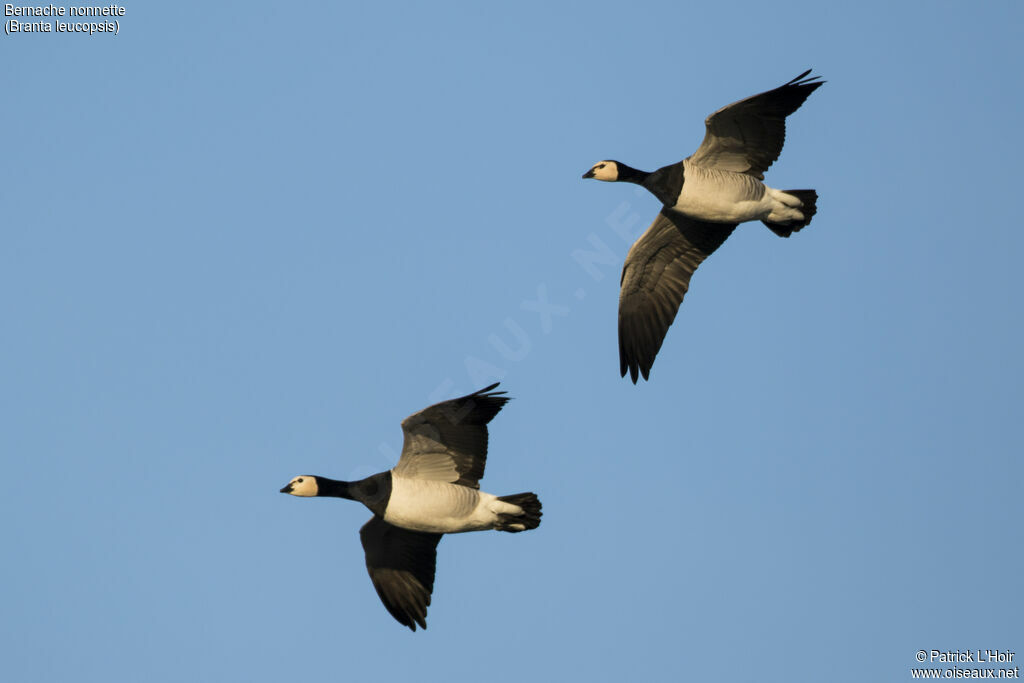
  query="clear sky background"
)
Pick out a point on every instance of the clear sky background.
point(242, 240)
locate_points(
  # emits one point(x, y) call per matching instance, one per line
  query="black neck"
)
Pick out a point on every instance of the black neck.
point(628, 174)
point(665, 183)
point(373, 492)
point(334, 489)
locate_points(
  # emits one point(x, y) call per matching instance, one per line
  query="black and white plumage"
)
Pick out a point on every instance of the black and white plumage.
point(704, 197)
point(433, 490)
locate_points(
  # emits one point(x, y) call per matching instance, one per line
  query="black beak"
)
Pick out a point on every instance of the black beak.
point(589, 174)
point(287, 489)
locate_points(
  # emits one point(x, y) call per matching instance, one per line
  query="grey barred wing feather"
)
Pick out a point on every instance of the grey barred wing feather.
point(448, 441)
point(401, 566)
point(655, 278)
point(747, 136)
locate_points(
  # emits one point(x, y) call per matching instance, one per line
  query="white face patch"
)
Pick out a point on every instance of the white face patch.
point(304, 486)
point(607, 171)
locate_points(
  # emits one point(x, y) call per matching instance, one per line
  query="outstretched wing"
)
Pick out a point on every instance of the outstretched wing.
point(448, 440)
point(655, 279)
point(747, 136)
point(401, 566)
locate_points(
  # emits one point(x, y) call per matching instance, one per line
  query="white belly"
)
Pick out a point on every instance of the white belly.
point(437, 506)
point(722, 196)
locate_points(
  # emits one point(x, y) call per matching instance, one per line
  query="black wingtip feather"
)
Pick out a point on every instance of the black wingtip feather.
point(478, 408)
point(801, 80)
point(487, 393)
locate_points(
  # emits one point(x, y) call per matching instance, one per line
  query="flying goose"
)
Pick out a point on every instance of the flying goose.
point(433, 490)
point(704, 197)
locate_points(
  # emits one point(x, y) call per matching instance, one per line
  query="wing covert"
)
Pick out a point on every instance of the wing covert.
point(655, 278)
point(747, 136)
point(448, 441)
point(401, 565)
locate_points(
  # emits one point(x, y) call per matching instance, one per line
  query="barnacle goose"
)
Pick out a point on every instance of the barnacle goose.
point(704, 197)
point(433, 490)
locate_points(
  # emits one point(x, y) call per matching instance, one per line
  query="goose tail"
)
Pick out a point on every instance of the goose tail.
point(529, 518)
point(809, 199)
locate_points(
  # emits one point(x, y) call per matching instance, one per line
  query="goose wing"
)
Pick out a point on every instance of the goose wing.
point(448, 440)
point(401, 566)
point(655, 278)
point(747, 136)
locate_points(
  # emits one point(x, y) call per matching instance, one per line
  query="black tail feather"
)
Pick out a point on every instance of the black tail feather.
point(810, 207)
point(530, 517)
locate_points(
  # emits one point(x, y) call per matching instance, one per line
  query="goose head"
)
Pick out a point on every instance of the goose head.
point(607, 171)
point(305, 486)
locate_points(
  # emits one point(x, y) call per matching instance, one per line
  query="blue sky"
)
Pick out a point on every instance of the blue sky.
point(242, 241)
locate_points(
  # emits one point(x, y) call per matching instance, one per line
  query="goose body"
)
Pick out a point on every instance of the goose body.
point(704, 197)
point(727, 197)
point(443, 508)
point(433, 490)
